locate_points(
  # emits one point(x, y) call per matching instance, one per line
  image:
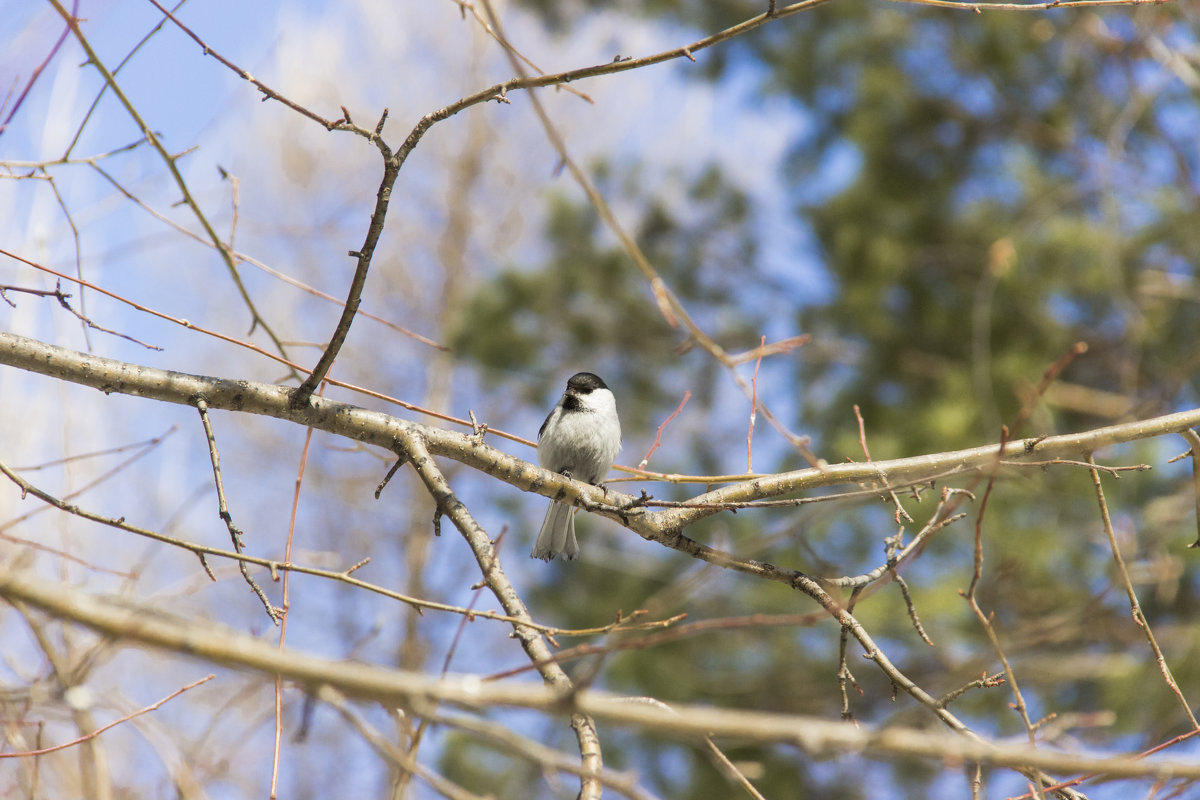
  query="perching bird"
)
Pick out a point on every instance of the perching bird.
point(579, 439)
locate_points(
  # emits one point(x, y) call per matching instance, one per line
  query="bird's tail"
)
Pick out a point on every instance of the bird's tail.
point(557, 534)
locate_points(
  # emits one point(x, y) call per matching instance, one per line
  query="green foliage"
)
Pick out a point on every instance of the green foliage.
point(989, 221)
point(586, 305)
point(1021, 182)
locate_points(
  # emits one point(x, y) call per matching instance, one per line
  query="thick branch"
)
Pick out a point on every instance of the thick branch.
point(383, 430)
point(212, 643)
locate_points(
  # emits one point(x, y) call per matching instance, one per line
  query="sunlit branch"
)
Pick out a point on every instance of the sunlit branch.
point(376, 428)
point(212, 643)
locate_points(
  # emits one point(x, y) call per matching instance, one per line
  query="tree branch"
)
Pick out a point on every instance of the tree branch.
point(373, 427)
point(412, 447)
point(213, 643)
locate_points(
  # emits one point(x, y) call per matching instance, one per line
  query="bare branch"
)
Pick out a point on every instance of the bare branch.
point(1135, 607)
point(344, 576)
point(212, 643)
point(152, 707)
point(382, 430)
point(235, 533)
point(415, 451)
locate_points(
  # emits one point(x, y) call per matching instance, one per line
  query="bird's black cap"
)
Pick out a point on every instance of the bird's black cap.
point(585, 383)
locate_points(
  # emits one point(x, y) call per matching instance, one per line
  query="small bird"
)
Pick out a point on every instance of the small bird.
point(579, 439)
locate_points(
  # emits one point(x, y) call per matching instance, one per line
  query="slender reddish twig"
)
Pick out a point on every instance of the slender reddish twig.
point(37, 72)
point(687, 395)
point(862, 432)
point(1084, 778)
point(984, 621)
point(284, 605)
point(772, 349)
point(1048, 376)
point(112, 724)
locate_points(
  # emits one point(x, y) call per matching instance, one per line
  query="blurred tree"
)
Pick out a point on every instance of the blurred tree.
point(983, 191)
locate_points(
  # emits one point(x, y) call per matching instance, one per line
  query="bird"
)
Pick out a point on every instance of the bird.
point(579, 439)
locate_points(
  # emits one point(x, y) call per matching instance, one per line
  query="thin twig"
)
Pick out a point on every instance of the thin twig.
point(267, 92)
point(1135, 607)
point(762, 342)
point(891, 547)
point(862, 439)
point(38, 71)
point(1049, 375)
point(773, 349)
point(687, 395)
point(143, 449)
point(62, 296)
point(490, 31)
point(985, 621)
point(286, 606)
point(1158, 748)
point(1193, 440)
point(235, 533)
point(153, 707)
point(986, 682)
point(386, 749)
point(1043, 6)
point(845, 677)
point(503, 737)
point(673, 634)
point(203, 551)
point(719, 759)
point(109, 451)
point(116, 71)
point(940, 519)
point(87, 323)
point(388, 477)
point(172, 166)
point(57, 553)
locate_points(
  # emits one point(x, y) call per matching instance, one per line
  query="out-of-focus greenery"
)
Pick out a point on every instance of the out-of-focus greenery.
point(1014, 183)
